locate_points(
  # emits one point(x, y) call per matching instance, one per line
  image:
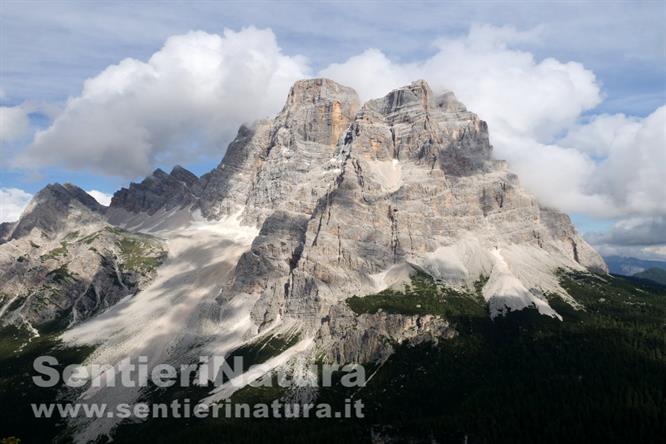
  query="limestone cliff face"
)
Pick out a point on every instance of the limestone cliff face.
point(284, 163)
point(411, 181)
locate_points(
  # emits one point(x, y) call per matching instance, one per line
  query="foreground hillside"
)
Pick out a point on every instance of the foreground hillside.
point(598, 376)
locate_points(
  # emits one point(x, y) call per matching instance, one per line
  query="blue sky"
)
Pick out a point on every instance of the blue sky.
point(622, 42)
point(618, 85)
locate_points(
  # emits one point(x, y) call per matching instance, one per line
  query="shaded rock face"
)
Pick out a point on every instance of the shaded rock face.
point(55, 207)
point(5, 230)
point(159, 191)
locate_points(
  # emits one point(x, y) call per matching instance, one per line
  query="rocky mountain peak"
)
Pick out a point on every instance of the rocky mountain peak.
point(184, 175)
point(159, 173)
point(341, 194)
point(411, 183)
point(418, 97)
point(53, 207)
point(418, 91)
point(68, 192)
point(160, 190)
point(319, 110)
point(413, 123)
point(278, 163)
point(309, 91)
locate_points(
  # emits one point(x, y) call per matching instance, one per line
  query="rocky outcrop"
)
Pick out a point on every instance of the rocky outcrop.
point(351, 338)
point(159, 191)
point(63, 282)
point(62, 262)
point(5, 230)
point(54, 208)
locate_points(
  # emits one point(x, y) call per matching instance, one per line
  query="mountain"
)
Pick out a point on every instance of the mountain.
point(628, 266)
point(159, 191)
point(62, 262)
point(410, 184)
point(52, 209)
point(654, 274)
point(336, 232)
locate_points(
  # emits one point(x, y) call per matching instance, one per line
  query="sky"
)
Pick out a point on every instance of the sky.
point(101, 93)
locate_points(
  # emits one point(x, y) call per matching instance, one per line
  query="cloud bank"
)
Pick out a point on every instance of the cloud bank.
point(633, 237)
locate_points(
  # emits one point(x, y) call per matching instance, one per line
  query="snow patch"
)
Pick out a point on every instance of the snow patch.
point(519, 274)
point(392, 277)
point(459, 263)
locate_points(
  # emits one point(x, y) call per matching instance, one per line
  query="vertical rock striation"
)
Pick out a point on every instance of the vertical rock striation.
point(410, 181)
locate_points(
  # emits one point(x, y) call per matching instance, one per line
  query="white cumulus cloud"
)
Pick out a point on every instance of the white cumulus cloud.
point(12, 203)
point(101, 197)
point(507, 87)
point(633, 172)
point(188, 98)
point(14, 123)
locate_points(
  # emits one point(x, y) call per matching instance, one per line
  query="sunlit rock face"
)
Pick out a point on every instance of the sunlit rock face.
point(411, 180)
point(284, 163)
